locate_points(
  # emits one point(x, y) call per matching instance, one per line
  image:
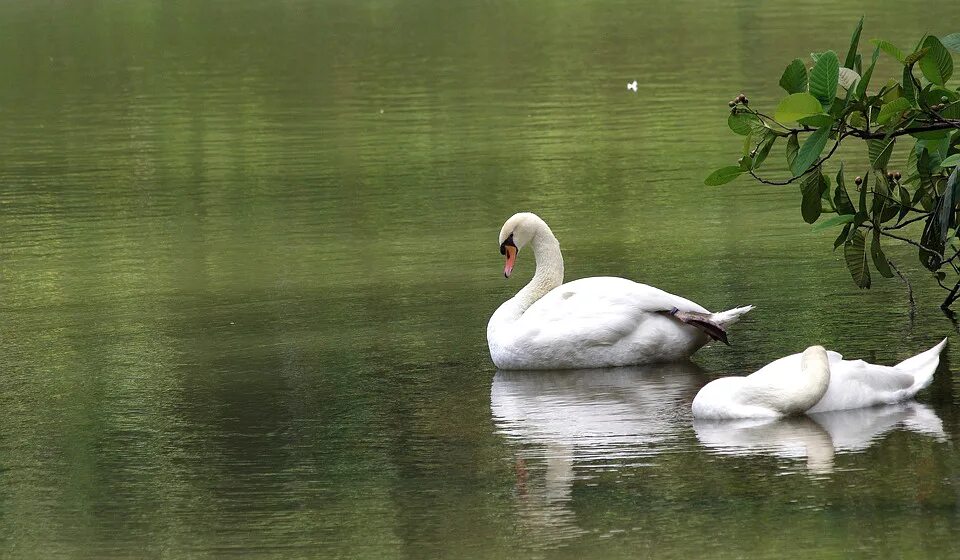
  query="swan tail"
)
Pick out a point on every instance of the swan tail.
point(922, 366)
point(702, 321)
point(730, 316)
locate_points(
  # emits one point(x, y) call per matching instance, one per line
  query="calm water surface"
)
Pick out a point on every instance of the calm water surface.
point(248, 252)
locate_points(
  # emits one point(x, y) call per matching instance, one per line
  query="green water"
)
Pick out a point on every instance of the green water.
point(248, 251)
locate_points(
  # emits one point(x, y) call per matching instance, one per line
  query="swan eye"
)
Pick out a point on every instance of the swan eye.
point(503, 246)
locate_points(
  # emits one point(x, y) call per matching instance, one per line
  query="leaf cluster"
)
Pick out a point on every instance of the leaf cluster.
point(827, 103)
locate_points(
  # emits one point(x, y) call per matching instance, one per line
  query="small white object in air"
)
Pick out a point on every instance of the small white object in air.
point(633, 86)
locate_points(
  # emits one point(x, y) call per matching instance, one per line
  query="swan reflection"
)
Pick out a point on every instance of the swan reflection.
point(596, 413)
point(816, 437)
point(588, 419)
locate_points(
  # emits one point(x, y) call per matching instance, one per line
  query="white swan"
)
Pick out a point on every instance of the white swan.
point(794, 385)
point(591, 322)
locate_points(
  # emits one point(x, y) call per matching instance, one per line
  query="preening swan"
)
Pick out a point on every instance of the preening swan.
point(770, 392)
point(591, 322)
point(788, 385)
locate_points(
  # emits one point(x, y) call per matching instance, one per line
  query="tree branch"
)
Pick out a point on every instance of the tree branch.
point(816, 165)
point(904, 239)
point(911, 220)
point(913, 303)
point(867, 135)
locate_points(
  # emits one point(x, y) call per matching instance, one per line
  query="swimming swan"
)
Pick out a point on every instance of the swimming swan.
point(815, 381)
point(591, 322)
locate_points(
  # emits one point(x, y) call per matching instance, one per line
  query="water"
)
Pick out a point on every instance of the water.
point(249, 252)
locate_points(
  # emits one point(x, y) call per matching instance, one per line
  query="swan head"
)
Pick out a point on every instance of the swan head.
point(516, 232)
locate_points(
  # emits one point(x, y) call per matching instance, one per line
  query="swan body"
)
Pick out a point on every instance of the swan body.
point(590, 322)
point(770, 392)
point(783, 387)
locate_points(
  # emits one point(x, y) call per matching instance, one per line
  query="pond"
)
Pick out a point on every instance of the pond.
point(249, 250)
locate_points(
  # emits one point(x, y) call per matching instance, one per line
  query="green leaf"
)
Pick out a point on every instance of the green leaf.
point(794, 78)
point(951, 161)
point(810, 150)
point(861, 89)
point(889, 48)
point(851, 59)
point(863, 199)
point(812, 188)
point(741, 123)
point(879, 259)
point(936, 229)
point(824, 78)
point(723, 175)
point(952, 42)
point(842, 238)
point(937, 65)
point(833, 221)
point(879, 151)
point(904, 203)
point(763, 149)
point(817, 121)
point(854, 252)
point(933, 95)
point(893, 109)
point(797, 106)
point(913, 57)
point(909, 87)
point(946, 205)
point(879, 202)
point(931, 134)
point(933, 243)
point(860, 218)
point(841, 200)
point(793, 146)
point(885, 207)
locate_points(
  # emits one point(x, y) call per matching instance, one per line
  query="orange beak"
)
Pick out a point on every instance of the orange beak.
point(511, 253)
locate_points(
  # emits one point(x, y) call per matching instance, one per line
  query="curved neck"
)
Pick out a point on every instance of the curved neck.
point(806, 389)
point(549, 274)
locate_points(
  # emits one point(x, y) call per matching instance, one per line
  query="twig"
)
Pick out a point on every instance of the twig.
point(816, 165)
point(913, 303)
point(867, 135)
point(911, 220)
point(904, 239)
point(951, 297)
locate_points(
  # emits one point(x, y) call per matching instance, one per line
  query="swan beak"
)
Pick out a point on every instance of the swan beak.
point(511, 253)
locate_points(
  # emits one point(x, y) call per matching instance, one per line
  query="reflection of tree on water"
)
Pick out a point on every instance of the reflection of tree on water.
point(816, 437)
point(585, 419)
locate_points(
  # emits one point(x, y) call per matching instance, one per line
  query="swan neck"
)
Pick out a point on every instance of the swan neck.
point(549, 274)
point(813, 381)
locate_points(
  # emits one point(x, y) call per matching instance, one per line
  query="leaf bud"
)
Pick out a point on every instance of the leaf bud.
point(732, 104)
point(944, 99)
point(897, 175)
point(858, 180)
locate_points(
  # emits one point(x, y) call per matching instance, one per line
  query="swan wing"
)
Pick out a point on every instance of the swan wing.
point(856, 384)
point(598, 311)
